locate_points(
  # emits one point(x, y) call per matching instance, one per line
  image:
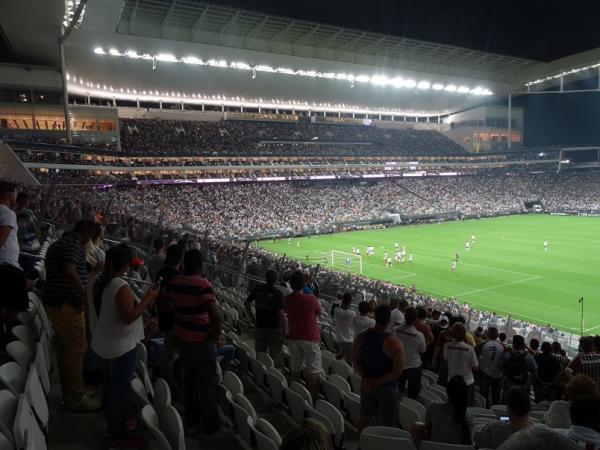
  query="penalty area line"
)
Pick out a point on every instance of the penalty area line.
point(497, 286)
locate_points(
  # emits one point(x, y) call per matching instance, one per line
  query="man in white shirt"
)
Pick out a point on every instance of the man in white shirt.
point(344, 327)
point(362, 321)
point(461, 359)
point(585, 422)
point(397, 316)
point(489, 367)
point(414, 345)
point(12, 278)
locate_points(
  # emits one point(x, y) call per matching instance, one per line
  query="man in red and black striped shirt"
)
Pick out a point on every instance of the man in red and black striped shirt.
point(587, 361)
point(196, 327)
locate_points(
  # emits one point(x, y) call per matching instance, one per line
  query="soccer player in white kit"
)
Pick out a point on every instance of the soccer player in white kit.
point(353, 250)
point(467, 246)
point(289, 241)
point(545, 246)
point(396, 245)
point(385, 256)
point(388, 262)
point(453, 266)
point(410, 257)
point(473, 238)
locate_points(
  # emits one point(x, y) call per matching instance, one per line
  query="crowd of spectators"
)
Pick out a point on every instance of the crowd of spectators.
point(246, 210)
point(231, 137)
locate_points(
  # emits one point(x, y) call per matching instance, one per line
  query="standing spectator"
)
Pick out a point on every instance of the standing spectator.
point(559, 354)
point(517, 365)
point(587, 361)
point(378, 357)
point(172, 267)
point(155, 262)
point(302, 311)
point(544, 384)
point(446, 422)
point(94, 255)
point(422, 326)
point(518, 406)
point(117, 332)
point(362, 322)
point(579, 386)
point(65, 298)
point(413, 342)
point(344, 318)
point(490, 372)
point(461, 359)
point(270, 323)
point(196, 328)
point(397, 316)
point(27, 233)
point(534, 347)
point(12, 278)
point(585, 422)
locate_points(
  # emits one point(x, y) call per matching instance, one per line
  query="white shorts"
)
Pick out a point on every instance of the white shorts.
point(305, 353)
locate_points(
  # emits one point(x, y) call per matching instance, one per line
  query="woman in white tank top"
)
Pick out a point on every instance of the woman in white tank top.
point(117, 331)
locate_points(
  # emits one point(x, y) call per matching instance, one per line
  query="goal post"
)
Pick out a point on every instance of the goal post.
point(346, 261)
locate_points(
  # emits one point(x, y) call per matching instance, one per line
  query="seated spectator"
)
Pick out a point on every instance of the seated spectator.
point(344, 317)
point(362, 321)
point(447, 422)
point(518, 407)
point(587, 361)
point(579, 386)
point(225, 351)
point(536, 438)
point(585, 422)
point(546, 381)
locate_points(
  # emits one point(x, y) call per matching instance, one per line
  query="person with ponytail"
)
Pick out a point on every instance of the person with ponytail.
point(119, 328)
point(446, 422)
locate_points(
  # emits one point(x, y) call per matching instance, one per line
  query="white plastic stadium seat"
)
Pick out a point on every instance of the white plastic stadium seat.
point(142, 353)
point(34, 441)
point(335, 418)
point(142, 371)
point(8, 410)
point(276, 384)
point(297, 405)
point(25, 422)
point(385, 438)
point(13, 377)
point(303, 392)
point(36, 398)
point(266, 428)
point(150, 420)
point(139, 392)
point(352, 407)
point(20, 353)
point(407, 416)
point(25, 335)
point(232, 382)
point(263, 442)
point(241, 415)
point(172, 427)
point(5, 444)
point(415, 406)
point(42, 368)
point(162, 398)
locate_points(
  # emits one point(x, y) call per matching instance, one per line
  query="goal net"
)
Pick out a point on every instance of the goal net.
point(346, 261)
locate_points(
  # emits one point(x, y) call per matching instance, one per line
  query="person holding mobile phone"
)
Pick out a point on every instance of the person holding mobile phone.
point(117, 332)
point(518, 406)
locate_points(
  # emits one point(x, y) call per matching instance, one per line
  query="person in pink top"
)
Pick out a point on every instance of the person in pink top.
point(304, 341)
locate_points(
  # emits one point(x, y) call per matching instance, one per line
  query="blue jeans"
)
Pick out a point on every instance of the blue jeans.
point(118, 373)
point(227, 351)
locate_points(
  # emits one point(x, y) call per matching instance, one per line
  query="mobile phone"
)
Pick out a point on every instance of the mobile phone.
point(158, 283)
point(503, 418)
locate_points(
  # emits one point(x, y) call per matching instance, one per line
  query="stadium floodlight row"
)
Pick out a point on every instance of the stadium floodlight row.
point(376, 80)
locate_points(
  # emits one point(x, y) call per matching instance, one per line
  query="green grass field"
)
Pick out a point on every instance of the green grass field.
point(506, 270)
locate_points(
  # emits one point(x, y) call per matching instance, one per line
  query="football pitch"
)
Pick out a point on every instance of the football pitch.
point(506, 269)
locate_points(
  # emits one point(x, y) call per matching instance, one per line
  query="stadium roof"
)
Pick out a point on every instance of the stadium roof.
point(205, 23)
point(180, 30)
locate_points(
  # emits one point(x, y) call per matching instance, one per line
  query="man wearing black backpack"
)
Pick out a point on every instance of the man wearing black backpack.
point(517, 365)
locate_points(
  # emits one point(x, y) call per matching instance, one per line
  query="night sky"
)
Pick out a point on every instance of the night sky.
point(542, 30)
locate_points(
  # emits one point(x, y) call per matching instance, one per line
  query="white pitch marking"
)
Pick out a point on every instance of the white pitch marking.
point(498, 286)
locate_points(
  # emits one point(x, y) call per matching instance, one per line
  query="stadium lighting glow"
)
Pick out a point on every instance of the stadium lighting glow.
point(70, 8)
point(375, 80)
point(562, 74)
point(88, 88)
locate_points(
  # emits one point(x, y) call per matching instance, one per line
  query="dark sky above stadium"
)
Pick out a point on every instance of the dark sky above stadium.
point(535, 29)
